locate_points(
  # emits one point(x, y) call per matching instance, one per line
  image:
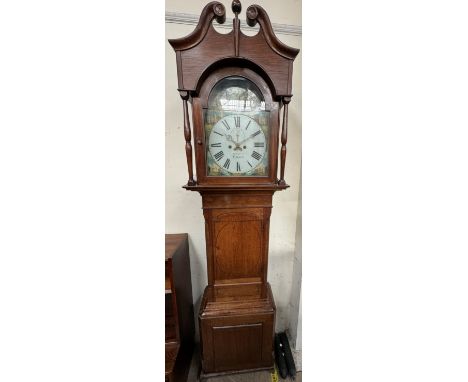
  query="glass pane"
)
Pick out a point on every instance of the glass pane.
point(236, 94)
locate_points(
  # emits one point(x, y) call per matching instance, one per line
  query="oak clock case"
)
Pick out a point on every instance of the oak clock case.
point(239, 87)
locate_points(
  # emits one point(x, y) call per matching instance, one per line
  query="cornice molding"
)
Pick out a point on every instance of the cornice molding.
point(189, 19)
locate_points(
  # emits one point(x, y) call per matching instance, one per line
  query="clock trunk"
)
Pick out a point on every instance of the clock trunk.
point(237, 313)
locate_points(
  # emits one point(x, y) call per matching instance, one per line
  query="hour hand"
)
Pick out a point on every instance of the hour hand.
point(229, 138)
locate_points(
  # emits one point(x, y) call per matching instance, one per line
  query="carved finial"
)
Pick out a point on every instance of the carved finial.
point(236, 7)
point(220, 12)
point(252, 14)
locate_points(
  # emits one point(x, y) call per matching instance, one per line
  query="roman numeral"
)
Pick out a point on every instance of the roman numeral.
point(216, 144)
point(259, 144)
point(226, 125)
point(256, 155)
point(218, 133)
point(238, 166)
point(218, 155)
point(227, 163)
point(246, 127)
point(237, 121)
point(256, 133)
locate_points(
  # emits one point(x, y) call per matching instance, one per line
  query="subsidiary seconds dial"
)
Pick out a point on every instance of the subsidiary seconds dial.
point(237, 144)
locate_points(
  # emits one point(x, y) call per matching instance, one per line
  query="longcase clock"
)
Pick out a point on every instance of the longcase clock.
point(239, 87)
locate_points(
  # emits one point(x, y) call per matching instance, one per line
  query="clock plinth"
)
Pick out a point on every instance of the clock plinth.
point(237, 334)
point(237, 85)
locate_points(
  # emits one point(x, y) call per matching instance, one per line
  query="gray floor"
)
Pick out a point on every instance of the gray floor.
point(259, 376)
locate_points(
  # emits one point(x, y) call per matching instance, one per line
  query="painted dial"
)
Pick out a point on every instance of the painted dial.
point(237, 144)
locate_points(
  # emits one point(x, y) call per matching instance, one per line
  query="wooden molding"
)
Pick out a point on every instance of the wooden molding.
point(189, 19)
point(257, 15)
point(213, 10)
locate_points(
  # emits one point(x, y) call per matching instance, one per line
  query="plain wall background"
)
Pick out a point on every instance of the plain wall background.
point(183, 208)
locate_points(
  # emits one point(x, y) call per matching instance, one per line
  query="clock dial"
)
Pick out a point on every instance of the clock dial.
point(237, 144)
point(236, 129)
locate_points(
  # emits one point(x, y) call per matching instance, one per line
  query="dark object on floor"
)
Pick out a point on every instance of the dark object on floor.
point(288, 355)
point(279, 357)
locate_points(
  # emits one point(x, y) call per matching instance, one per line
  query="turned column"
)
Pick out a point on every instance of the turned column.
point(188, 137)
point(284, 138)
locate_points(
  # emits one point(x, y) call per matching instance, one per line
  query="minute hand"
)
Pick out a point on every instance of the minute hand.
point(250, 136)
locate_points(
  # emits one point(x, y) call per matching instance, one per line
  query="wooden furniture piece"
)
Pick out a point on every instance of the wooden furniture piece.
point(179, 308)
point(237, 86)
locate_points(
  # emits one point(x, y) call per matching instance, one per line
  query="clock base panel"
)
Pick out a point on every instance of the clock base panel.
point(236, 335)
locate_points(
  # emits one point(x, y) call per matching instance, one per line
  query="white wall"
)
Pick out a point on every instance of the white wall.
point(279, 11)
point(183, 208)
point(295, 303)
